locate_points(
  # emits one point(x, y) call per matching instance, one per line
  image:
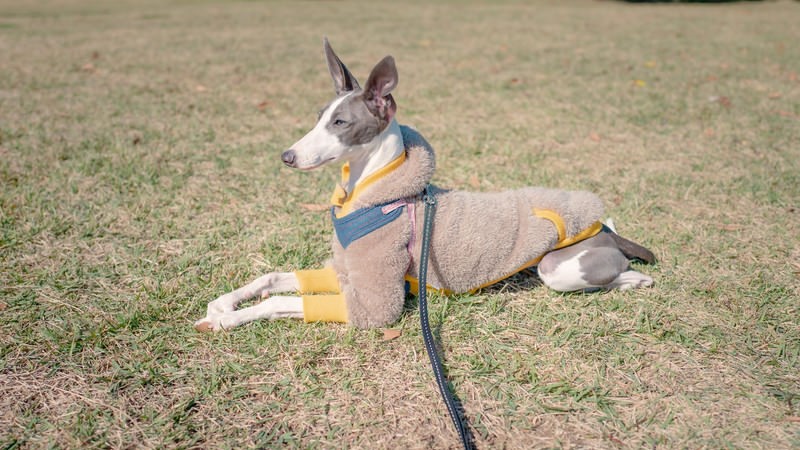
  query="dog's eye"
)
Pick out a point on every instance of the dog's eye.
point(339, 122)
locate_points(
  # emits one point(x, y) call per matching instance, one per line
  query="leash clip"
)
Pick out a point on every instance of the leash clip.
point(428, 198)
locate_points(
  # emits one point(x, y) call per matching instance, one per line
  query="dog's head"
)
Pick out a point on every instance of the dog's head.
point(352, 123)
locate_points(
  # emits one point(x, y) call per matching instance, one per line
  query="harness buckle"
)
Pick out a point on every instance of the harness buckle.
point(428, 198)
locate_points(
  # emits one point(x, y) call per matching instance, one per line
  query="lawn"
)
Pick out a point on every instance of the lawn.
point(141, 178)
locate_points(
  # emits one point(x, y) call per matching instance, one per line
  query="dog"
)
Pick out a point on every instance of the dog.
point(477, 238)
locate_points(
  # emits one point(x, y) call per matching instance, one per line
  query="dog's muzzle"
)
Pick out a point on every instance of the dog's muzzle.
point(288, 157)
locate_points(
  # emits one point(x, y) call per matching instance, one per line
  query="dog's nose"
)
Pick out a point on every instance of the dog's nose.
point(288, 157)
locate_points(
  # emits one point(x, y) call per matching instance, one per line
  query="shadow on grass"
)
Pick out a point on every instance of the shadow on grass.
point(411, 304)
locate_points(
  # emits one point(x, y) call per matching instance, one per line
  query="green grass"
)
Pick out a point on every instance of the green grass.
point(140, 174)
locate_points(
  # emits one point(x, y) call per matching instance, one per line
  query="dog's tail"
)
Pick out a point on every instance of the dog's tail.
point(632, 250)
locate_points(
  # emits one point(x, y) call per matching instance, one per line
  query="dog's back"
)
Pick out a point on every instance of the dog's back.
point(479, 238)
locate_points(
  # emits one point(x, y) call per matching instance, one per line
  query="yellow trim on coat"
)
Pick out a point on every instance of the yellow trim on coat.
point(321, 307)
point(558, 222)
point(413, 287)
point(324, 308)
point(562, 241)
point(344, 201)
point(592, 231)
point(554, 217)
point(316, 281)
point(550, 215)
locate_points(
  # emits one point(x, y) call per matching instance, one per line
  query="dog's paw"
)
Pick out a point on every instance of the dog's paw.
point(632, 280)
point(208, 324)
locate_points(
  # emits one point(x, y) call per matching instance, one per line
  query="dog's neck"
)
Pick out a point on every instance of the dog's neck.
point(388, 147)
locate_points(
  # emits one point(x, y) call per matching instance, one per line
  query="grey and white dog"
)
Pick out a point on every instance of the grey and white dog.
point(358, 127)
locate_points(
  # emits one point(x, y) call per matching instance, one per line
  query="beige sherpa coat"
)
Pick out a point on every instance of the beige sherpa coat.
point(477, 237)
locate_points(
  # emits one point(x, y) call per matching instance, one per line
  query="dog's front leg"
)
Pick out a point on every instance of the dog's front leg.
point(271, 282)
point(278, 307)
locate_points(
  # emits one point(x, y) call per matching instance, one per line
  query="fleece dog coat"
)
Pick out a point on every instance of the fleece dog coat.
point(477, 239)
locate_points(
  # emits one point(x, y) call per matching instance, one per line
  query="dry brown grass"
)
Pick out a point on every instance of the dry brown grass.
point(140, 176)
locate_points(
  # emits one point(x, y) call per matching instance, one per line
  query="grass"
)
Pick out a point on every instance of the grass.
point(140, 177)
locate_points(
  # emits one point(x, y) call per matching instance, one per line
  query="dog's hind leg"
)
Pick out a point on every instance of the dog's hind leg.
point(596, 263)
point(271, 282)
point(630, 279)
point(278, 307)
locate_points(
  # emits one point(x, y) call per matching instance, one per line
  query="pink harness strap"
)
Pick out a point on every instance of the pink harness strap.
point(412, 217)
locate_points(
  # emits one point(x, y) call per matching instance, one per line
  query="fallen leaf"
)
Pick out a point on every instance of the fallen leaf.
point(514, 81)
point(314, 206)
point(783, 113)
point(594, 136)
point(639, 83)
point(263, 105)
point(474, 181)
point(725, 102)
point(390, 334)
point(615, 440)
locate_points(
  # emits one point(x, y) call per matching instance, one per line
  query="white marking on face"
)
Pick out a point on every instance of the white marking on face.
point(319, 146)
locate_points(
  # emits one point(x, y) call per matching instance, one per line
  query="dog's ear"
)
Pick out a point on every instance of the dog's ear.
point(377, 93)
point(343, 80)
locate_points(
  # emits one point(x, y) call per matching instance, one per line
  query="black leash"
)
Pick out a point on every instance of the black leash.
point(427, 336)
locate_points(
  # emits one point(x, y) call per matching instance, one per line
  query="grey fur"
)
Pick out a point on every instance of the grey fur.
point(364, 114)
point(343, 80)
point(358, 125)
point(601, 263)
point(632, 250)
